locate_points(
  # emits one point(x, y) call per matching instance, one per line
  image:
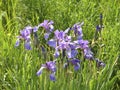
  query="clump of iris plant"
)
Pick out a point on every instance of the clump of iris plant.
point(62, 43)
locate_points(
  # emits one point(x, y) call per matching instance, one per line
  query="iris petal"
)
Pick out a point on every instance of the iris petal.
point(40, 71)
point(17, 43)
point(27, 45)
point(52, 43)
point(35, 29)
point(77, 67)
point(46, 36)
point(52, 77)
point(56, 54)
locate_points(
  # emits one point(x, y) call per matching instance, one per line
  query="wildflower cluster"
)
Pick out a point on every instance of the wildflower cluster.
point(63, 44)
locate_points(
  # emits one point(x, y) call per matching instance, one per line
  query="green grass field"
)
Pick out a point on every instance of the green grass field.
point(18, 66)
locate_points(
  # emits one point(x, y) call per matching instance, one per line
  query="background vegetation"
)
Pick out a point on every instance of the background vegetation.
point(18, 66)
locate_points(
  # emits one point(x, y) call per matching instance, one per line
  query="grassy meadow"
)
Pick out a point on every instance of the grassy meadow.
point(18, 66)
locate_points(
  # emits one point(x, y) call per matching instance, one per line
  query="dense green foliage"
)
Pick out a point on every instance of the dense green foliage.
point(18, 66)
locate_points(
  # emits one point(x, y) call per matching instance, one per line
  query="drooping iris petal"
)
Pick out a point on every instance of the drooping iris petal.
point(40, 71)
point(27, 45)
point(56, 54)
point(72, 45)
point(46, 36)
point(88, 54)
point(35, 29)
point(74, 53)
point(52, 77)
point(74, 62)
point(17, 42)
point(77, 67)
point(52, 43)
point(79, 37)
point(71, 53)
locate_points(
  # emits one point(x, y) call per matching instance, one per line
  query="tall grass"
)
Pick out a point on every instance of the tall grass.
point(18, 66)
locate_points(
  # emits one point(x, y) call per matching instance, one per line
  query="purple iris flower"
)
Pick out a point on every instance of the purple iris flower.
point(82, 44)
point(51, 66)
point(48, 26)
point(78, 30)
point(25, 35)
point(58, 40)
point(63, 39)
point(88, 54)
point(74, 62)
point(59, 34)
